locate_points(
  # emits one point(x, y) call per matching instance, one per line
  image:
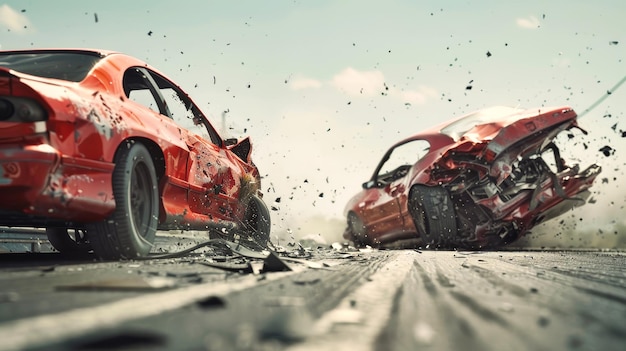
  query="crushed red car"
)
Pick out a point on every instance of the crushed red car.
point(102, 149)
point(480, 181)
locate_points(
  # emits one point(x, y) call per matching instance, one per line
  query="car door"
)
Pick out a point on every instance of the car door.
point(381, 209)
point(140, 88)
point(213, 178)
point(389, 187)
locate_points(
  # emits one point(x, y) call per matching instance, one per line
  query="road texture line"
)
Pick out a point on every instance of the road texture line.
point(42, 330)
point(362, 315)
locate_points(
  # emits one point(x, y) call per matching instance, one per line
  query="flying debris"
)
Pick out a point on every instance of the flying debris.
point(607, 150)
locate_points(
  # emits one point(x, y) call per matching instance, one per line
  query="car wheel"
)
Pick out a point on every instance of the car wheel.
point(433, 215)
point(68, 241)
point(257, 224)
point(130, 231)
point(357, 228)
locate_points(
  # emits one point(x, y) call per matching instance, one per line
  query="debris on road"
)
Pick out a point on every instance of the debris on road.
point(133, 283)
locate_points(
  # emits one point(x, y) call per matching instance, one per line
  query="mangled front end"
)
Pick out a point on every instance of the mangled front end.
point(505, 183)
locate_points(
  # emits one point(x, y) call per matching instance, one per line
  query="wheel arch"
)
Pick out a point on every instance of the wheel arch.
point(158, 158)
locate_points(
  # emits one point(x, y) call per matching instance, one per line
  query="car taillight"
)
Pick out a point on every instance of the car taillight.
point(17, 109)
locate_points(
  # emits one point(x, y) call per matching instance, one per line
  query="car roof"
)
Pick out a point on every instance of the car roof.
point(118, 59)
point(98, 52)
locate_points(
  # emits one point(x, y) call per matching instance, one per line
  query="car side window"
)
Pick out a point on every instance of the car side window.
point(137, 89)
point(402, 158)
point(183, 111)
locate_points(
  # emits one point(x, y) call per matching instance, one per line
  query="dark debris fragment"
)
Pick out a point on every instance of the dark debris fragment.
point(124, 340)
point(607, 150)
point(48, 269)
point(212, 302)
point(273, 263)
point(243, 268)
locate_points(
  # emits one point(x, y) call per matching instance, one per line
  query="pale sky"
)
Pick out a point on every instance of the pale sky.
point(324, 87)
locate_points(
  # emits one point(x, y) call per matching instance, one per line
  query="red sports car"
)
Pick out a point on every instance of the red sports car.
point(102, 150)
point(480, 181)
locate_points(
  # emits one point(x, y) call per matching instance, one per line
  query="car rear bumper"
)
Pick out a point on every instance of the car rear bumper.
point(37, 180)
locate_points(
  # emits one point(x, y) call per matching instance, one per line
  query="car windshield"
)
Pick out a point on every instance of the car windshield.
point(489, 115)
point(70, 66)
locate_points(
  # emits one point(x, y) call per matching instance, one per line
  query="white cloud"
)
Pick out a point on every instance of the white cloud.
point(418, 96)
point(365, 84)
point(299, 83)
point(13, 20)
point(355, 83)
point(530, 22)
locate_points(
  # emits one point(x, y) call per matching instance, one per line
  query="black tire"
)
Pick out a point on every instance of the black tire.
point(433, 215)
point(257, 223)
point(357, 228)
point(130, 231)
point(69, 241)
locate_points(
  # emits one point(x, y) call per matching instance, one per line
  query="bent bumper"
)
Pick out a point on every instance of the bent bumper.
point(38, 180)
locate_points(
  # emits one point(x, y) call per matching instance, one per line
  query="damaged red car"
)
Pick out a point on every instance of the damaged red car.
point(480, 181)
point(102, 149)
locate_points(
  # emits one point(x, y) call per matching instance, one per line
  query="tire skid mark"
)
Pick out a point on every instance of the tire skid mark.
point(590, 276)
point(428, 283)
point(613, 330)
point(458, 327)
point(613, 270)
point(393, 336)
point(580, 314)
point(602, 294)
point(344, 280)
point(542, 309)
point(418, 305)
point(586, 317)
point(499, 282)
point(443, 280)
point(371, 303)
point(478, 308)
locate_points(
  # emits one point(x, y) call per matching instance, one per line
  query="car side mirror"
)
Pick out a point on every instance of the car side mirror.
point(242, 148)
point(369, 184)
point(231, 141)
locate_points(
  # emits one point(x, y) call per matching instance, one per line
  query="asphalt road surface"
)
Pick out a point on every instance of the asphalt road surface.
point(317, 299)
